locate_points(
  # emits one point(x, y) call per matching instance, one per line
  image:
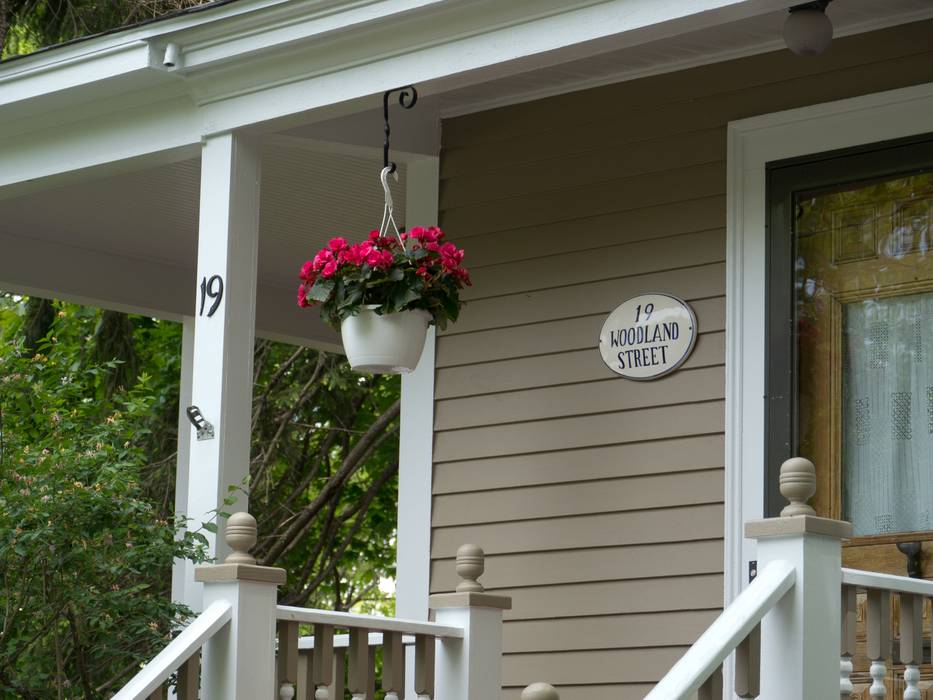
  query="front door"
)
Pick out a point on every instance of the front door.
point(857, 396)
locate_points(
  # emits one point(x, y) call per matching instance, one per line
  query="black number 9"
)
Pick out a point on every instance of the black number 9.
point(213, 288)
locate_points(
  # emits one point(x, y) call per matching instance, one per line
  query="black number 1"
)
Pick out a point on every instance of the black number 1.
point(213, 288)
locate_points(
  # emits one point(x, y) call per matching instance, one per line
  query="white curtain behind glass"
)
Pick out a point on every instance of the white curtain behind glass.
point(887, 450)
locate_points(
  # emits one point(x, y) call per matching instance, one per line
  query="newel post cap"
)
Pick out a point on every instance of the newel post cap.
point(471, 563)
point(798, 484)
point(540, 691)
point(240, 533)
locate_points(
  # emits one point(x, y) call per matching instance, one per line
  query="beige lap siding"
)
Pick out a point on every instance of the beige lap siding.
point(600, 501)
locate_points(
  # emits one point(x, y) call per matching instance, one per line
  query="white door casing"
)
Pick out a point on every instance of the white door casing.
point(752, 144)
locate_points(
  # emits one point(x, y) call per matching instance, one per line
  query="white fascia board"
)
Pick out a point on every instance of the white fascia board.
point(164, 131)
point(439, 43)
point(110, 54)
point(271, 61)
point(286, 26)
point(27, 81)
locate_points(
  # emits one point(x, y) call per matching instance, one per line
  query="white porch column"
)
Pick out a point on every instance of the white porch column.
point(182, 579)
point(416, 438)
point(800, 637)
point(225, 321)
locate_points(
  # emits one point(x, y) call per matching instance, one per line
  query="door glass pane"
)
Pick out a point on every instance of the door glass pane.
point(864, 305)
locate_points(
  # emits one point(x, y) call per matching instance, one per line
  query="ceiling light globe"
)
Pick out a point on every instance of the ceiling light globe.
point(808, 32)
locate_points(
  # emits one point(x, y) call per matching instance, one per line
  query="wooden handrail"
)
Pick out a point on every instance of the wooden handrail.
point(187, 643)
point(726, 633)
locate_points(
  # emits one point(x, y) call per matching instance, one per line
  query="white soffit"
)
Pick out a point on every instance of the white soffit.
point(147, 221)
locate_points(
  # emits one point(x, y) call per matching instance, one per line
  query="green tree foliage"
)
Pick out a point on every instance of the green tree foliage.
point(84, 552)
point(324, 475)
point(323, 484)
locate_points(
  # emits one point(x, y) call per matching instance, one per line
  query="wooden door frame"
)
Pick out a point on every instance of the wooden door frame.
point(752, 144)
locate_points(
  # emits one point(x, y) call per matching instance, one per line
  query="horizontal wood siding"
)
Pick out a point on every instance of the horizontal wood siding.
point(599, 501)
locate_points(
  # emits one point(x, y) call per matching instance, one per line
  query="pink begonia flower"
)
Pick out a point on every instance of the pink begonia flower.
point(337, 244)
point(423, 272)
point(329, 269)
point(354, 255)
point(302, 298)
point(321, 259)
point(379, 258)
point(307, 271)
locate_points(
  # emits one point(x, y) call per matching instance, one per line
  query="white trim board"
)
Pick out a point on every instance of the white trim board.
point(416, 438)
point(752, 144)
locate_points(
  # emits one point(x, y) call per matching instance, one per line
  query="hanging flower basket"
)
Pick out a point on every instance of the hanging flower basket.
point(383, 293)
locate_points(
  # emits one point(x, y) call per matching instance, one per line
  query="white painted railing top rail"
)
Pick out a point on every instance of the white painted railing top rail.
point(342, 620)
point(729, 630)
point(887, 582)
point(180, 651)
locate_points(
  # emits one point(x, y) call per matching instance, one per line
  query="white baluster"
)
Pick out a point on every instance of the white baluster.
point(321, 693)
point(286, 691)
point(845, 678)
point(877, 672)
point(879, 639)
point(912, 679)
point(911, 643)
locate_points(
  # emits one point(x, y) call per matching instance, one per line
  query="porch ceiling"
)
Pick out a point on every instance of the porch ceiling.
point(129, 240)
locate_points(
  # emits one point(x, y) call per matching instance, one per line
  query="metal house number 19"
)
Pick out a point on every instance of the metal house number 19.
point(212, 287)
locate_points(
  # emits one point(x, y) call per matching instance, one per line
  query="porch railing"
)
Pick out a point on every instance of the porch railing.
point(245, 647)
point(784, 626)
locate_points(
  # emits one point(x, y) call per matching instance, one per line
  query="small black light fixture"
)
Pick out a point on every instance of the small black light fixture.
point(807, 29)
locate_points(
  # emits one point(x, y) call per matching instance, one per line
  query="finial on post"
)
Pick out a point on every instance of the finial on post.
point(540, 691)
point(470, 566)
point(241, 534)
point(798, 484)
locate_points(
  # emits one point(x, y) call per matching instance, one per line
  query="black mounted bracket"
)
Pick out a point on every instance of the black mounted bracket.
point(204, 428)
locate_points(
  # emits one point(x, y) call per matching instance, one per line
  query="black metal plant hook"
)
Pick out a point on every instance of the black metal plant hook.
point(407, 97)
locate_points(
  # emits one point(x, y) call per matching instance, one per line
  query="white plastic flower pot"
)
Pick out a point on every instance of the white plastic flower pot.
point(387, 344)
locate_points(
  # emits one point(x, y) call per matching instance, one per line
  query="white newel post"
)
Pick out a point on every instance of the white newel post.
point(224, 313)
point(238, 663)
point(471, 668)
point(800, 637)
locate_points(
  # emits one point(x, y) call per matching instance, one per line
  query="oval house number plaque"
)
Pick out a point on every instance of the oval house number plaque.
point(648, 336)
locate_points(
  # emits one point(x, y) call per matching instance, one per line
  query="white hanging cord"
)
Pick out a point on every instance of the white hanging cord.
point(387, 213)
